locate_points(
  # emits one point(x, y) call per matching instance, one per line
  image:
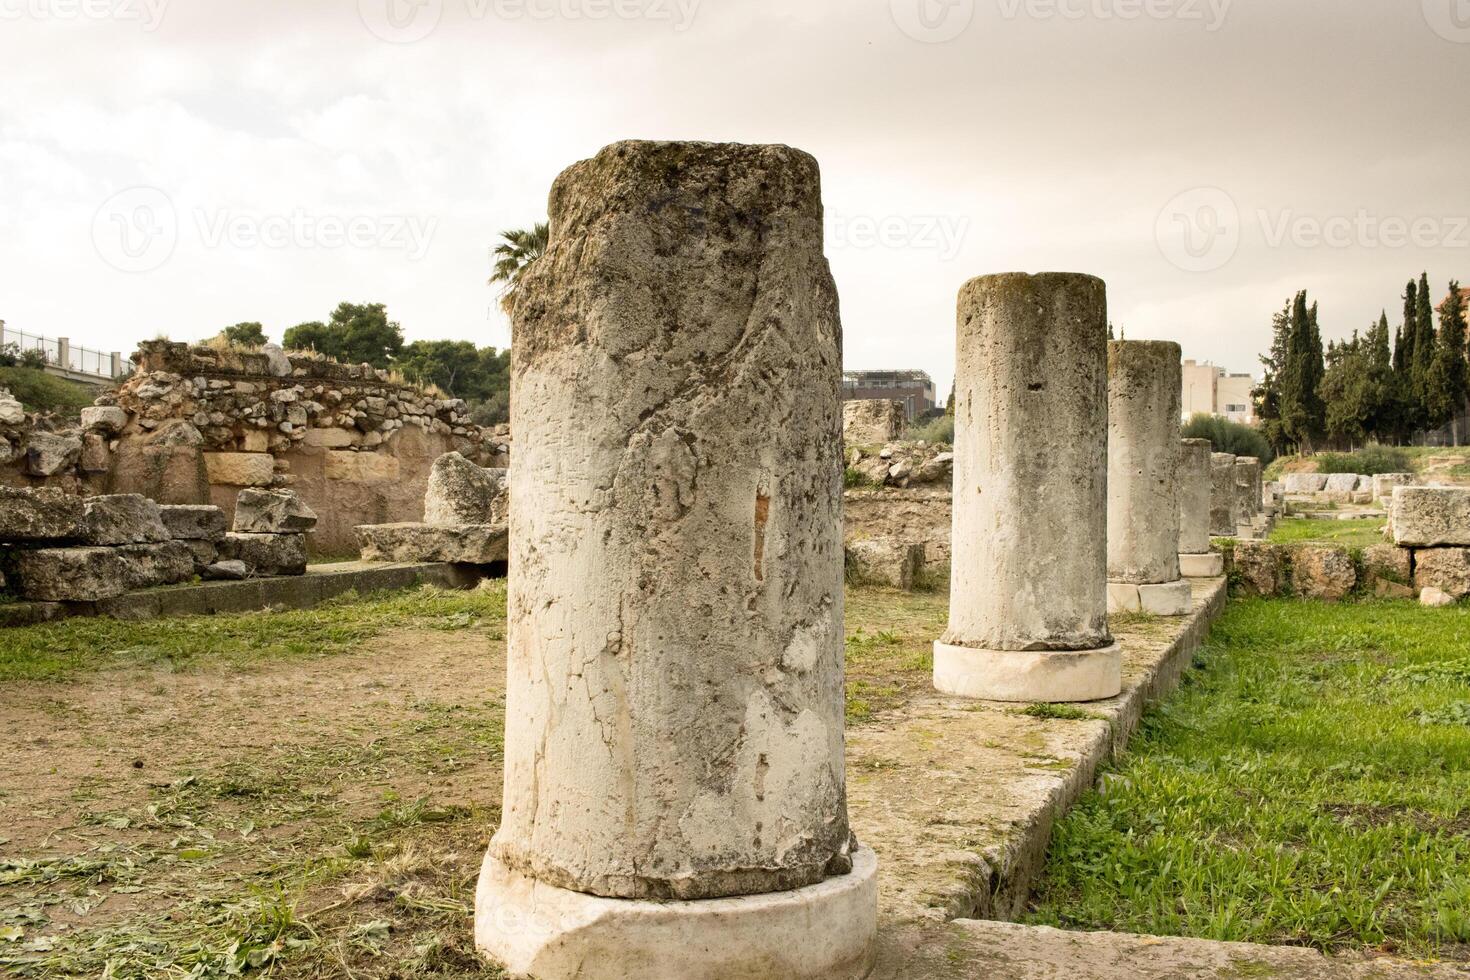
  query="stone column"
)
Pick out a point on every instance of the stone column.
point(1222, 494)
point(1028, 600)
point(1247, 495)
point(674, 705)
point(1144, 389)
point(1195, 558)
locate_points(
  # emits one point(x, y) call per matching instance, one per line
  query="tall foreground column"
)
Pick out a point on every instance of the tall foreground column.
point(1195, 558)
point(1028, 606)
point(674, 707)
point(1222, 494)
point(1144, 390)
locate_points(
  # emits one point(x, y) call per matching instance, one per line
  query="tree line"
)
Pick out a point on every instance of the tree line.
point(362, 333)
point(1372, 387)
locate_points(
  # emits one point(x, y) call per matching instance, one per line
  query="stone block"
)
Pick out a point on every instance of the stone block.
point(1436, 598)
point(28, 516)
point(123, 518)
point(204, 552)
point(272, 512)
point(240, 469)
point(478, 544)
point(1209, 565)
point(1431, 517)
point(1259, 567)
point(329, 438)
point(148, 565)
point(1383, 484)
point(255, 441)
point(108, 419)
point(194, 522)
point(1319, 572)
point(12, 412)
point(1341, 482)
point(48, 454)
point(69, 574)
point(871, 422)
point(1446, 569)
point(884, 561)
point(266, 554)
point(225, 571)
point(460, 492)
point(1387, 563)
point(361, 467)
point(96, 456)
point(1304, 482)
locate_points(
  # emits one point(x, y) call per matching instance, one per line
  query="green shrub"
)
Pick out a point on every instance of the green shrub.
point(42, 392)
point(935, 430)
point(1229, 437)
point(1369, 461)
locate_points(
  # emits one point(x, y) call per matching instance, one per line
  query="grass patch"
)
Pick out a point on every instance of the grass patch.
point(52, 651)
point(1067, 712)
point(890, 646)
point(1353, 534)
point(1310, 786)
point(42, 392)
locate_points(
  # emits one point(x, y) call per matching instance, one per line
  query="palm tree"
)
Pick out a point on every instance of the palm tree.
point(517, 251)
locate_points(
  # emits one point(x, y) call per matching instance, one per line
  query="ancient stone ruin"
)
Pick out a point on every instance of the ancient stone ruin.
point(1143, 479)
point(466, 510)
point(674, 711)
point(1196, 559)
point(1028, 601)
point(197, 424)
point(872, 421)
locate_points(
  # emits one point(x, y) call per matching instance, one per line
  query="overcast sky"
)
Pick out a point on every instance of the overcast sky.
point(174, 166)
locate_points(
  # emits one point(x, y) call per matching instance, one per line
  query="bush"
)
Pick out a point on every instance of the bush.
point(935, 430)
point(1369, 461)
point(41, 392)
point(1229, 437)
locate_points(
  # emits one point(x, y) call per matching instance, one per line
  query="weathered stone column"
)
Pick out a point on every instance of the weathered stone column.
point(1028, 602)
point(1247, 495)
point(674, 706)
point(1144, 392)
point(1222, 494)
point(1195, 558)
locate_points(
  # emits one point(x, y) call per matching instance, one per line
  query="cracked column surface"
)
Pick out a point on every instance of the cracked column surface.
point(674, 707)
point(1144, 391)
point(1028, 608)
point(1247, 492)
point(1222, 494)
point(1195, 558)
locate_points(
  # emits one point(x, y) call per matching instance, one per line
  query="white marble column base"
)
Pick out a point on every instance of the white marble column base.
point(1209, 565)
point(1028, 675)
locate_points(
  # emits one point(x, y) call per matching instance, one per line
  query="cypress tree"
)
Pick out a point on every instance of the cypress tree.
point(1267, 394)
point(1379, 365)
point(1447, 379)
point(1424, 345)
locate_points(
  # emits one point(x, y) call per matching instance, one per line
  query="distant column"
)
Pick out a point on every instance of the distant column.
point(1247, 495)
point(1195, 558)
point(1222, 495)
point(1143, 479)
point(1028, 602)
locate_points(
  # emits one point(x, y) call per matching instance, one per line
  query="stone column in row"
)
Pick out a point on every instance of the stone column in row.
point(1222, 495)
point(1247, 496)
point(1028, 599)
point(1196, 560)
point(1145, 386)
point(675, 801)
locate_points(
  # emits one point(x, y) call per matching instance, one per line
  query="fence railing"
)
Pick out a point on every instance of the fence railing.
point(62, 355)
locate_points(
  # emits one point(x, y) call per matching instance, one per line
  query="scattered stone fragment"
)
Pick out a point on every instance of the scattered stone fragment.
point(884, 561)
point(478, 544)
point(1445, 569)
point(194, 522)
point(1431, 517)
point(461, 492)
point(48, 453)
point(871, 422)
point(266, 554)
point(1322, 572)
point(124, 518)
point(149, 565)
point(40, 515)
point(272, 512)
point(108, 419)
point(225, 571)
point(1435, 598)
point(1260, 568)
point(69, 574)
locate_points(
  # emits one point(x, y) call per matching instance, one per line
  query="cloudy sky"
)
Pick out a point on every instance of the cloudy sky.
point(173, 166)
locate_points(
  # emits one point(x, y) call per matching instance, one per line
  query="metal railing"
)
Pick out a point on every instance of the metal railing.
point(62, 357)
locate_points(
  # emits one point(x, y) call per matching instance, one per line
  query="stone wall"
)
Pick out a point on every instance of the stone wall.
point(196, 424)
point(910, 516)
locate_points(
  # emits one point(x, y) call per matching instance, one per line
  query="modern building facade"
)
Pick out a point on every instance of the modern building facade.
point(914, 388)
point(1211, 390)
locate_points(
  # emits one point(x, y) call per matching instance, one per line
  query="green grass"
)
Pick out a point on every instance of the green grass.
point(53, 651)
point(890, 646)
point(1310, 785)
point(42, 392)
point(1353, 534)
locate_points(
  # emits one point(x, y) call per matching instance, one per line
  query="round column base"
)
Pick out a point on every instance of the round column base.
point(1028, 675)
point(1165, 599)
point(1208, 565)
point(823, 930)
